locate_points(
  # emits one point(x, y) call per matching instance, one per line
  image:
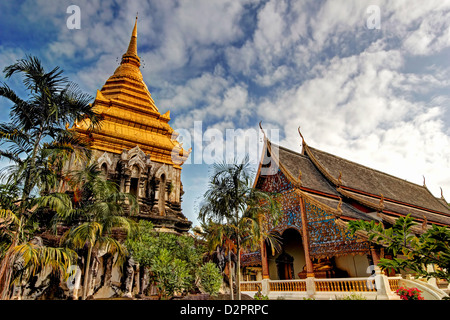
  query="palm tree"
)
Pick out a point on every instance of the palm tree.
point(230, 199)
point(36, 140)
point(23, 256)
point(52, 105)
point(220, 242)
point(98, 209)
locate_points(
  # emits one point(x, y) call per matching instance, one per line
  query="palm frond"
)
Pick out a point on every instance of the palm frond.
point(58, 202)
point(35, 258)
point(7, 216)
point(86, 232)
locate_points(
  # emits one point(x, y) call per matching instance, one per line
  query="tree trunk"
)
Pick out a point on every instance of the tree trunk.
point(238, 274)
point(8, 264)
point(5, 272)
point(230, 279)
point(86, 273)
point(28, 179)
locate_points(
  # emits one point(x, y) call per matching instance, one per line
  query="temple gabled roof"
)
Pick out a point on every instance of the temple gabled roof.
point(367, 193)
point(362, 179)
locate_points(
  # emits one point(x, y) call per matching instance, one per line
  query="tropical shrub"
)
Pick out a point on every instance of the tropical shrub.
point(172, 260)
point(210, 278)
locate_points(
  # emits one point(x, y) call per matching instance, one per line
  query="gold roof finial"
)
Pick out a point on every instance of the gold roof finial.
point(381, 203)
point(131, 55)
point(303, 139)
point(262, 130)
point(339, 207)
point(340, 178)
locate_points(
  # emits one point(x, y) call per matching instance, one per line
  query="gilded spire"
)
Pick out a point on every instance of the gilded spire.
point(131, 55)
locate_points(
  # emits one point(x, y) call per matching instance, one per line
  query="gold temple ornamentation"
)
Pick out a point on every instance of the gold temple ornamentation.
point(135, 145)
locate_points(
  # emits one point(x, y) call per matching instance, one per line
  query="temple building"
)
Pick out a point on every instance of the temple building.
point(135, 145)
point(319, 193)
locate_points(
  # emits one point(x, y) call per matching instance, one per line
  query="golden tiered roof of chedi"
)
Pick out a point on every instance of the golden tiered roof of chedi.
point(130, 116)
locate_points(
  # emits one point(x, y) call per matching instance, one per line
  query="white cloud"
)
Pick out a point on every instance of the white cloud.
point(432, 36)
point(362, 108)
point(378, 97)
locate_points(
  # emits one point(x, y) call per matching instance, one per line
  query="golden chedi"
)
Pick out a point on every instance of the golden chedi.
point(135, 145)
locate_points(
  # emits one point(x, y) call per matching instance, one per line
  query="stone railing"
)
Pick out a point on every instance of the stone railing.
point(394, 283)
point(250, 285)
point(375, 287)
point(345, 285)
point(287, 285)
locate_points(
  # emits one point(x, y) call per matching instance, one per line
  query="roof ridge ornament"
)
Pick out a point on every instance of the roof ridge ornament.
point(300, 133)
point(424, 223)
point(381, 203)
point(262, 130)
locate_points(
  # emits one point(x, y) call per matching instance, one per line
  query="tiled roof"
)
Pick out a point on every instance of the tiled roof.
point(328, 178)
point(374, 182)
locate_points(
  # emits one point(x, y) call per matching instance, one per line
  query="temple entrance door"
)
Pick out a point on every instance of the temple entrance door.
point(285, 266)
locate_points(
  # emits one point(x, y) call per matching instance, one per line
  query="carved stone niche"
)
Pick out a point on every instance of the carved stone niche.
point(105, 163)
point(135, 166)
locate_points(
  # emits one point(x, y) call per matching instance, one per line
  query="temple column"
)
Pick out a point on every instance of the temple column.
point(305, 240)
point(375, 258)
point(141, 188)
point(264, 261)
point(127, 184)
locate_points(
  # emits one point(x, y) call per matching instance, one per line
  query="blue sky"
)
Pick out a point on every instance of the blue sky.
point(377, 96)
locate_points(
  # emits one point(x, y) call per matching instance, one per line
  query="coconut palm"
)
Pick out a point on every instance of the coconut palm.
point(230, 199)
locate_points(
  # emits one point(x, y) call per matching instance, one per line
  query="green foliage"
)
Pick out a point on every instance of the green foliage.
point(417, 251)
point(231, 202)
point(173, 260)
point(37, 143)
point(354, 296)
point(210, 278)
point(260, 296)
point(171, 274)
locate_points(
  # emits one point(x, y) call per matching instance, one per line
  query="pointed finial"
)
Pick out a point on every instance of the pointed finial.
point(339, 207)
point(260, 126)
point(381, 204)
point(424, 223)
point(424, 181)
point(340, 178)
point(131, 55)
point(303, 140)
point(442, 194)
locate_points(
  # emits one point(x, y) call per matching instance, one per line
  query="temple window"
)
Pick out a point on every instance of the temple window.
point(104, 169)
point(134, 186)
